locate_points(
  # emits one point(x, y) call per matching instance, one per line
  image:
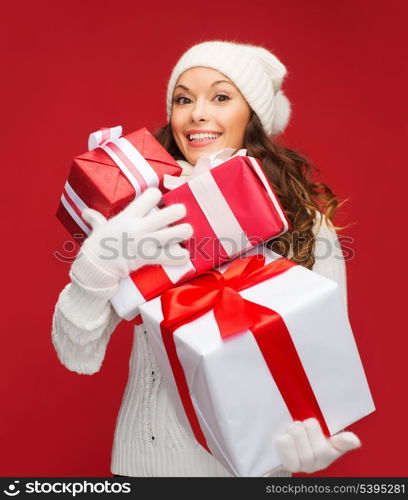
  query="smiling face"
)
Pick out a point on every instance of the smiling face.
point(207, 102)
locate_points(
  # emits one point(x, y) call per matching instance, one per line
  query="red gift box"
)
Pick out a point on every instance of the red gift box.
point(232, 209)
point(109, 176)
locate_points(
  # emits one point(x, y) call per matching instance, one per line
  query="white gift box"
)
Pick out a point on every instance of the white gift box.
point(237, 402)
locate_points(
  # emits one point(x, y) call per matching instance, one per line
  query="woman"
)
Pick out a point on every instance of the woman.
point(222, 98)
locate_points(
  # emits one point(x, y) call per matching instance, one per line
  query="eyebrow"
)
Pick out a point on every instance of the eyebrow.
point(212, 85)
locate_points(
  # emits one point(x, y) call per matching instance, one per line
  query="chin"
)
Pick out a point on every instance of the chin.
point(206, 151)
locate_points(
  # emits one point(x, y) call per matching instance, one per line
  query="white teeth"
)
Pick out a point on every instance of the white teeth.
point(201, 137)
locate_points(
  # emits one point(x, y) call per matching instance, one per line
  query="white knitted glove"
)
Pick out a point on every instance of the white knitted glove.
point(304, 448)
point(136, 236)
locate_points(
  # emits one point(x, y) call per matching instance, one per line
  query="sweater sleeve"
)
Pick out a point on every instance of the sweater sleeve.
point(329, 258)
point(83, 319)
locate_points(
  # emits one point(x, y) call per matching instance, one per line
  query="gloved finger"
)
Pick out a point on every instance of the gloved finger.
point(93, 217)
point(303, 446)
point(286, 447)
point(141, 205)
point(173, 255)
point(315, 434)
point(173, 234)
point(324, 453)
point(345, 441)
point(165, 216)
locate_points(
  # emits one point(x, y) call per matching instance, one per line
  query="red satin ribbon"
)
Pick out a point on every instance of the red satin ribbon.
point(234, 314)
point(137, 320)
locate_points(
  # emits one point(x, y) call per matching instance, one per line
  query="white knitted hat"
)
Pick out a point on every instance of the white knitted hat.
point(255, 71)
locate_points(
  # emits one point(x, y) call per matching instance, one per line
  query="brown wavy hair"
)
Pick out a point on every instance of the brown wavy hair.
point(291, 176)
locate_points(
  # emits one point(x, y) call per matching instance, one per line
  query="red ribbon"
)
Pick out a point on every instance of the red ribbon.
point(217, 291)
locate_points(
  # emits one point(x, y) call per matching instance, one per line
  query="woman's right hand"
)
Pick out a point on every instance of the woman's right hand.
point(136, 236)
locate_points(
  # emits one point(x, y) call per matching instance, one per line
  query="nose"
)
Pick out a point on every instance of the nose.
point(199, 111)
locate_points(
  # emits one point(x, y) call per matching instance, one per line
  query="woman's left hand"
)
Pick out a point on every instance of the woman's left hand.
point(304, 447)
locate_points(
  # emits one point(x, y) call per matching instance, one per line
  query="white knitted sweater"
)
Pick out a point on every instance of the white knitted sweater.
point(148, 441)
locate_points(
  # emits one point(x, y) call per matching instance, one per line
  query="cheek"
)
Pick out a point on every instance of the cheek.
point(237, 128)
point(175, 126)
point(177, 120)
point(177, 129)
point(236, 121)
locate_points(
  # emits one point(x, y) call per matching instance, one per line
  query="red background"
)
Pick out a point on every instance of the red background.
point(69, 68)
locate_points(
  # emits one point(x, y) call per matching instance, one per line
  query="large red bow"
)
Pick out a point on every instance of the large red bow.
point(214, 290)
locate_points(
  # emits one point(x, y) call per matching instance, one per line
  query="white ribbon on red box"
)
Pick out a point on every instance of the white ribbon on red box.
point(74, 205)
point(136, 169)
point(206, 163)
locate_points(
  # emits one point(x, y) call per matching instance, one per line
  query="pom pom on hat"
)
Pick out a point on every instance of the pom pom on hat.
point(257, 73)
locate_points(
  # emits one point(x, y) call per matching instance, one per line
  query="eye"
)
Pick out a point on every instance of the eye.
point(223, 95)
point(177, 99)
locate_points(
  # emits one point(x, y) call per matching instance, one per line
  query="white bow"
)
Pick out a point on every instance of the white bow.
point(102, 136)
point(203, 164)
